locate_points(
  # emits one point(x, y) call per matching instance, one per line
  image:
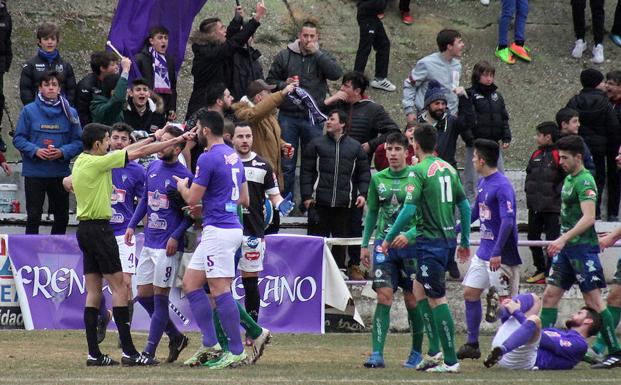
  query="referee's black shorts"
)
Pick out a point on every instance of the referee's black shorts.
point(98, 244)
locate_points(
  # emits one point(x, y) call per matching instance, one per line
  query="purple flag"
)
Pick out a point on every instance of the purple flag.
point(133, 19)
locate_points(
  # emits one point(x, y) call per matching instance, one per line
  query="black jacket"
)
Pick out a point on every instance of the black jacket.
point(244, 66)
point(211, 60)
point(144, 62)
point(599, 125)
point(334, 173)
point(6, 51)
point(370, 8)
point(88, 87)
point(368, 121)
point(33, 71)
point(544, 181)
point(149, 121)
point(484, 113)
point(449, 129)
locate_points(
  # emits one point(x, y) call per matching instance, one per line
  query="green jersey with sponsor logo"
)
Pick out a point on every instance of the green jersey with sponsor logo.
point(577, 189)
point(387, 193)
point(437, 190)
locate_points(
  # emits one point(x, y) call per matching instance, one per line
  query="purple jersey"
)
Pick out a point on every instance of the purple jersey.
point(127, 185)
point(495, 202)
point(164, 216)
point(221, 172)
point(560, 349)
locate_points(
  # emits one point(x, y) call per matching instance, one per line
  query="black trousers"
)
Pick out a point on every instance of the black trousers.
point(355, 231)
point(616, 26)
point(404, 5)
point(542, 223)
point(58, 199)
point(373, 35)
point(327, 221)
point(598, 16)
point(606, 175)
point(2, 100)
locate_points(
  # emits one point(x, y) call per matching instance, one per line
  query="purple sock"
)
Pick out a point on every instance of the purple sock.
point(159, 319)
point(103, 310)
point(149, 305)
point(229, 317)
point(474, 314)
point(201, 309)
point(520, 337)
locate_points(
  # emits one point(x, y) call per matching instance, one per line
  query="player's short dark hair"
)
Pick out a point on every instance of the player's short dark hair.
point(615, 76)
point(47, 30)
point(488, 150)
point(208, 25)
point(357, 79)
point(122, 127)
point(140, 82)
point(572, 144)
point(596, 326)
point(398, 138)
point(310, 23)
point(564, 115)
point(102, 59)
point(445, 38)
point(426, 136)
point(211, 119)
point(548, 128)
point(239, 123)
point(213, 93)
point(176, 132)
point(47, 76)
point(481, 68)
point(158, 29)
point(93, 132)
point(342, 115)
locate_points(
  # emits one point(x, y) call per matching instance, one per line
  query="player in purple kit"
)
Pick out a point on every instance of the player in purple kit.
point(220, 185)
point(163, 243)
point(521, 342)
point(495, 265)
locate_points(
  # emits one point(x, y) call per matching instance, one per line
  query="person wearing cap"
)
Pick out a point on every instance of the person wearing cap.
point(259, 108)
point(599, 127)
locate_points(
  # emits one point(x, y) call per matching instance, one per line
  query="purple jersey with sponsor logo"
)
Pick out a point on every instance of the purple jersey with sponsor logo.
point(495, 202)
point(560, 349)
point(221, 172)
point(127, 185)
point(164, 216)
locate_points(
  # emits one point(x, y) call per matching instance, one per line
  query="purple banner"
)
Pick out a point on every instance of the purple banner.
point(50, 282)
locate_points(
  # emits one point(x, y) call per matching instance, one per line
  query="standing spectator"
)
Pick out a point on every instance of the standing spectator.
point(404, 8)
point(379, 157)
point(482, 111)
point(443, 66)
point(141, 113)
point(157, 67)
point(504, 52)
point(6, 57)
point(107, 108)
point(46, 59)
point(212, 53)
point(103, 63)
point(615, 32)
point(334, 164)
point(597, 15)
point(48, 137)
point(568, 122)
point(305, 64)
point(373, 35)
point(599, 127)
point(544, 180)
point(613, 90)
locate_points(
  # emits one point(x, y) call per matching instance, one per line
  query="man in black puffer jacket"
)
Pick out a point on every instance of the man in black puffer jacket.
point(599, 127)
point(335, 176)
point(245, 66)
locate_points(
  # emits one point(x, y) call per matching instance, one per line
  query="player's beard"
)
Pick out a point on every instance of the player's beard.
point(570, 323)
point(202, 140)
point(437, 114)
point(167, 158)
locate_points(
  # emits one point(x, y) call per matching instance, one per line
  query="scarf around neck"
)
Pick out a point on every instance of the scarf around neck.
point(62, 102)
point(161, 81)
point(48, 56)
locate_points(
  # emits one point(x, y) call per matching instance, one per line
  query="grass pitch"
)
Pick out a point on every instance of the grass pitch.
point(58, 357)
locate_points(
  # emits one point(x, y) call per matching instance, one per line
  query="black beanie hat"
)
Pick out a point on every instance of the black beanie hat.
point(591, 78)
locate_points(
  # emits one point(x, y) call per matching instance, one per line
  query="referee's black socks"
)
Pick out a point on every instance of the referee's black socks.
point(121, 318)
point(90, 325)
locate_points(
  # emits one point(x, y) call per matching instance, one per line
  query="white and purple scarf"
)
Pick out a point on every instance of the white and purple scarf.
point(63, 103)
point(161, 81)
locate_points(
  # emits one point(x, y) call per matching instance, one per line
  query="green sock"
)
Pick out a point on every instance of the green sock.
point(381, 323)
point(446, 331)
point(251, 327)
point(608, 332)
point(223, 340)
point(548, 317)
point(599, 346)
point(430, 326)
point(415, 319)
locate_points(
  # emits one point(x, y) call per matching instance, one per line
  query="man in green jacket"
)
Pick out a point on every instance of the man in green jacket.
point(107, 108)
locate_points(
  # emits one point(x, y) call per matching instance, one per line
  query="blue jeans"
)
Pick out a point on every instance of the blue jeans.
point(519, 8)
point(294, 130)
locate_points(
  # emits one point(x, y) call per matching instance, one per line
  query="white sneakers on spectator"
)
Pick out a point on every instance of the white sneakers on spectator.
point(485, 2)
point(383, 84)
point(579, 48)
point(598, 54)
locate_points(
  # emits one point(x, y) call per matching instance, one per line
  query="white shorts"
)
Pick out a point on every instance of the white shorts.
point(154, 267)
point(127, 255)
point(522, 358)
point(215, 254)
point(252, 253)
point(506, 280)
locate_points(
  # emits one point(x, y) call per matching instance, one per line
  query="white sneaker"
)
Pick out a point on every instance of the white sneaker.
point(598, 54)
point(485, 2)
point(383, 84)
point(579, 49)
point(259, 345)
point(444, 368)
